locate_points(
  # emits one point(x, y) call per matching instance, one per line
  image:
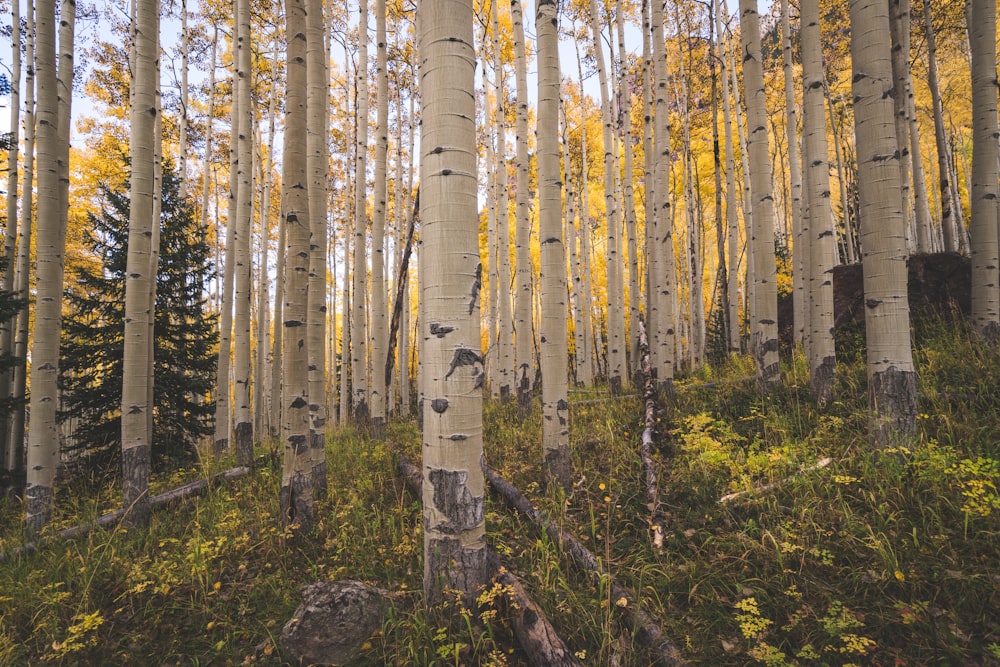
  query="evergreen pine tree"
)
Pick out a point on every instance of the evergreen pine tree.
point(185, 335)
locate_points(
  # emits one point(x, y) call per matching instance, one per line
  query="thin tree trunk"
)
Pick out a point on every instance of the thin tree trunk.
point(380, 325)
point(662, 315)
point(821, 240)
point(557, 466)
point(732, 219)
point(899, 20)
point(182, 130)
point(263, 406)
point(10, 238)
point(317, 171)
point(243, 129)
point(799, 278)
point(296, 495)
point(15, 446)
point(455, 554)
point(765, 323)
point(223, 395)
point(524, 375)
point(140, 276)
point(360, 406)
point(617, 372)
point(945, 182)
point(506, 353)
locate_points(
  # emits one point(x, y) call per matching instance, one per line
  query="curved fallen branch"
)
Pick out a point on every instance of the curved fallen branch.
point(180, 494)
point(645, 627)
point(533, 630)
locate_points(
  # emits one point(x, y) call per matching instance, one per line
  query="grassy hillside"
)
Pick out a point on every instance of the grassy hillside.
point(879, 558)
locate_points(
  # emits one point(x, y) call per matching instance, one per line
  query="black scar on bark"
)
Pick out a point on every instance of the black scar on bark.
point(439, 405)
point(440, 330)
point(463, 357)
point(462, 510)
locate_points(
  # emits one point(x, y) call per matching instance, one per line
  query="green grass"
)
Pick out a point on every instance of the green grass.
point(880, 558)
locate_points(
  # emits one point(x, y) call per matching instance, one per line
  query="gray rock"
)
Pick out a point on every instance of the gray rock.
point(333, 621)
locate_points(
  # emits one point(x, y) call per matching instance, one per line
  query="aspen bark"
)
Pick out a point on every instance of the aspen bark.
point(15, 446)
point(140, 273)
point(455, 554)
point(765, 323)
point(984, 193)
point(732, 217)
point(617, 372)
point(661, 257)
point(799, 279)
point(523, 373)
point(892, 380)
point(243, 129)
point(43, 449)
point(360, 406)
point(822, 240)
point(296, 494)
point(10, 236)
point(506, 362)
point(554, 353)
point(379, 321)
point(317, 171)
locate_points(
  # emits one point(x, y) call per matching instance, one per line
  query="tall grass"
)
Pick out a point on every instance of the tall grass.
point(880, 558)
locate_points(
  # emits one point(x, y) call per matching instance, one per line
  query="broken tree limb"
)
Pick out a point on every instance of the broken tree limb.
point(533, 630)
point(644, 626)
point(180, 494)
point(397, 307)
point(650, 472)
point(767, 488)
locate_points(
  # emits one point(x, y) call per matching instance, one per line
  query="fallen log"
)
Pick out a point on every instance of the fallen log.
point(650, 472)
point(180, 494)
point(767, 488)
point(644, 626)
point(531, 627)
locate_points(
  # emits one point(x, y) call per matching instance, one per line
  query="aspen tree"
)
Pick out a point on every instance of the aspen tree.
point(223, 402)
point(554, 353)
point(360, 405)
point(10, 236)
point(765, 323)
point(379, 322)
point(523, 364)
point(617, 372)
point(945, 182)
point(265, 398)
point(984, 194)
point(243, 131)
point(455, 555)
point(182, 122)
point(584, 363)
point(661, 311)
point(296, 494)
point(628, 192)
point(506, 362)
point(140, 276)
point(732, 218)
point(15, 445)
point(317, 171)
point(43, 448)
point(892, 380)
point(800, 259)
point(822, 241)
point(576, 298)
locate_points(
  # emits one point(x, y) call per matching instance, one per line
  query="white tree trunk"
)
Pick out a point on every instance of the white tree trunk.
point(821, 241)
point(801, 259)
point(506, 362)
point(554, 352)
point(732, 217)
point(380, 324)
point(140, 273)
point(984, 193)
point(892, 380)
point(296, 495)
point(455, 553)
point(765, 324)
point(360, 406)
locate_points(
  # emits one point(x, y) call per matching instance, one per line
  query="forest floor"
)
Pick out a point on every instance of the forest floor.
point(879, 558)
